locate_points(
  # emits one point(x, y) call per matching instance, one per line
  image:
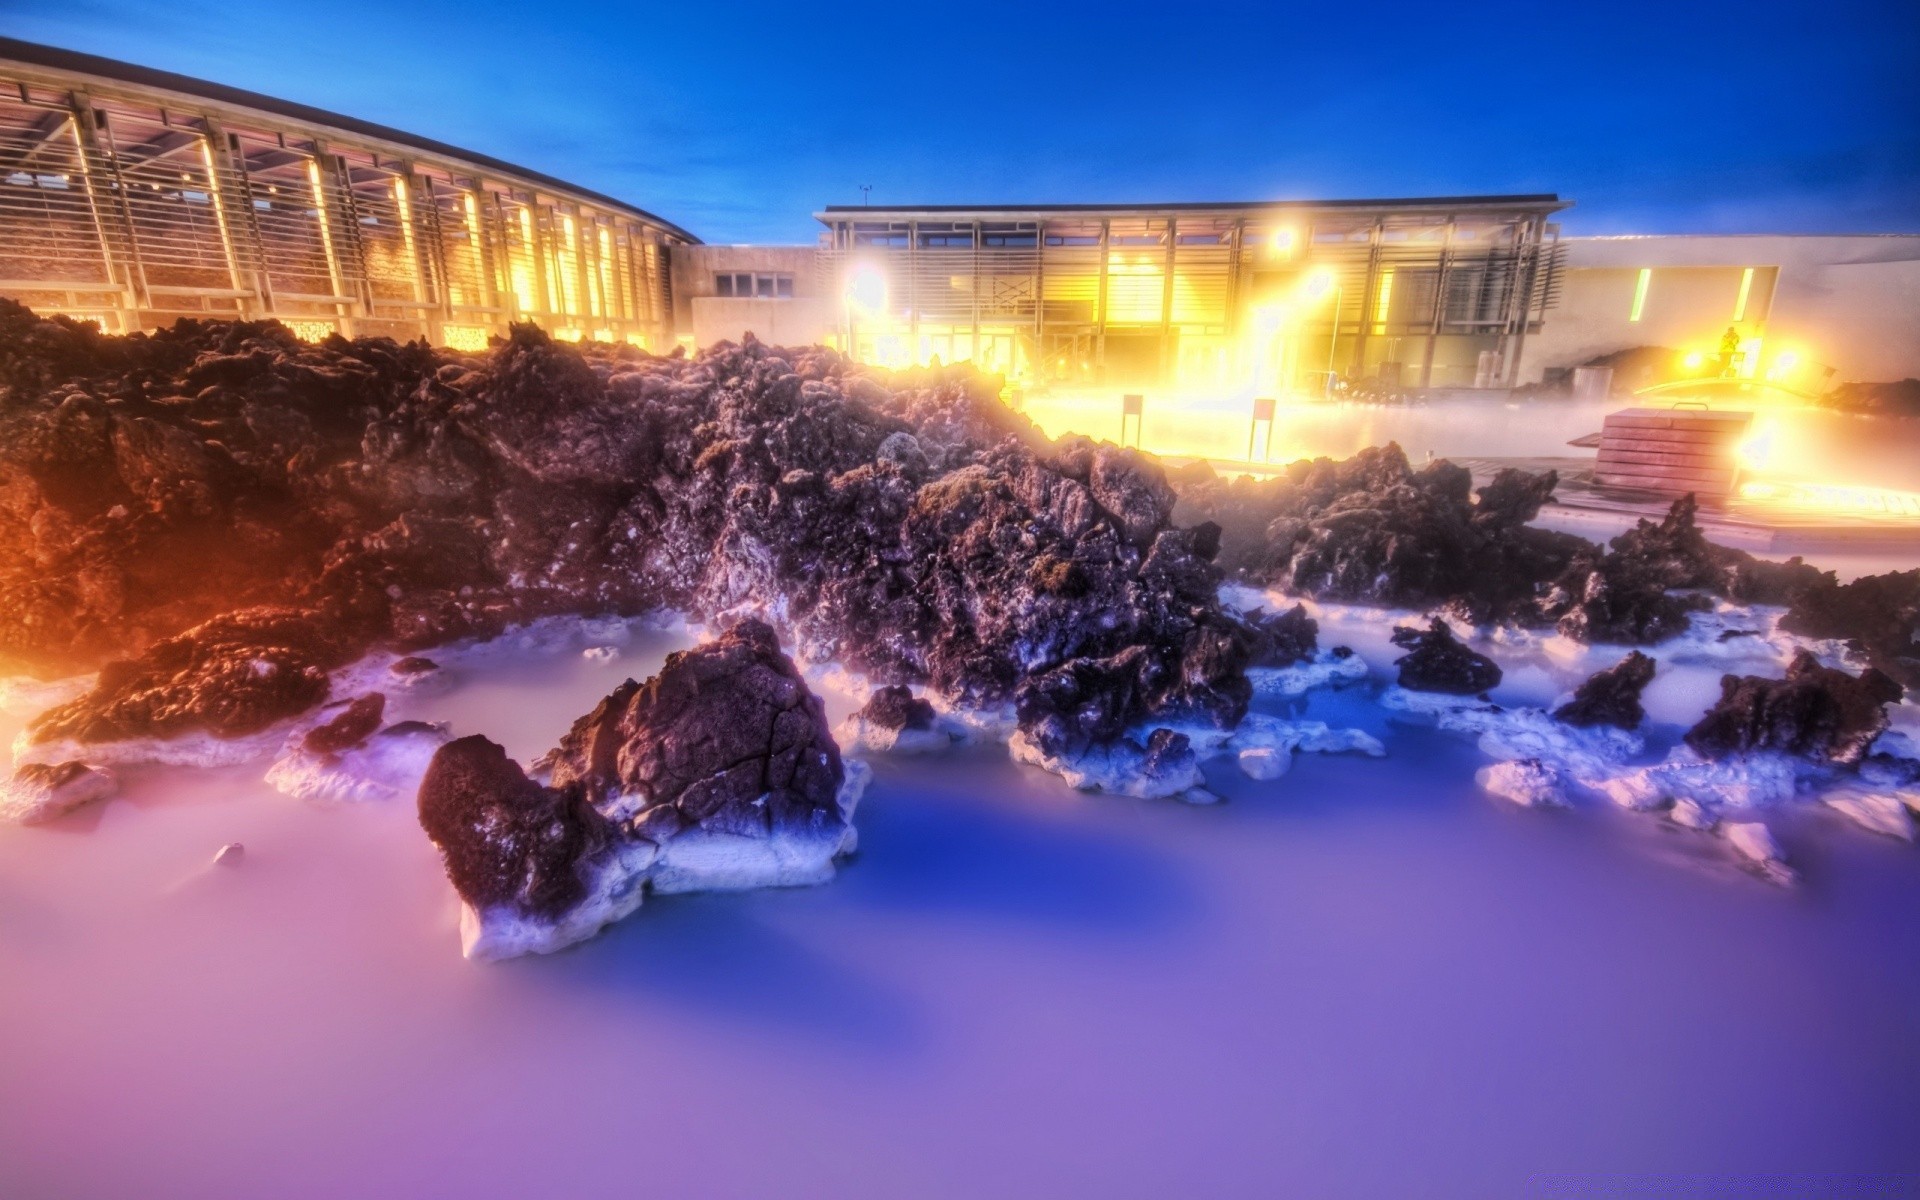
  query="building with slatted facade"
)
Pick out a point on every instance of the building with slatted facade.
point(136, 197)
point(1276, 296)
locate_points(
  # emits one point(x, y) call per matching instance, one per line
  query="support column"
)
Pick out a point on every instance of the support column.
point(1166, 301)
point(1100, 307)
point(1439, 302)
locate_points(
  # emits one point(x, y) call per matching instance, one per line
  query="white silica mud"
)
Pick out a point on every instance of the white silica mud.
point(1421, 947)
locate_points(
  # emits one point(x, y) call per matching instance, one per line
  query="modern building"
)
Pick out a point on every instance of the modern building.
point(137, 197)
point(1271, 296)
point(1802, 310)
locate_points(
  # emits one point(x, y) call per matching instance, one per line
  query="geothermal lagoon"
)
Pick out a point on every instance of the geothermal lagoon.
point(1142, 913)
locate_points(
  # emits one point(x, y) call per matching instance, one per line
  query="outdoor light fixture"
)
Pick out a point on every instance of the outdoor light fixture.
point(866, 290)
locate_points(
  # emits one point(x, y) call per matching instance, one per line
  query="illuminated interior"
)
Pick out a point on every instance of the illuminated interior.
point(147, 204)
point(1235, 301)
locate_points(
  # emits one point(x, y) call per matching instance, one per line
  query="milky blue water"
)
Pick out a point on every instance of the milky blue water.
point(1364, 978)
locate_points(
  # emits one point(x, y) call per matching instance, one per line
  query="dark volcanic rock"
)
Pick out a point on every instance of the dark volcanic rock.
point(355, 724)
point(505, 839)
point(1373, 530)
point(1283, 639)
point(1879, 615)
point(1816, 712)
point(895, 708)
point(1438, 662)
point(233, 676)
point(907, 524)
point(727, 737)
point(1612, 696)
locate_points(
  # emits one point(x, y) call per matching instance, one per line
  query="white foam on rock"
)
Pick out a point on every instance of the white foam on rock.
point(387, 766)
point(22, 696)
point(695, 860)
point(1875, 810)
point(1119, 767)
point(1122, 768)
point(187, 750)
point(1326, 668)
point(857, 735)
point(41, 794)
point(615, 888)
point(1755, 843)
point(1527, 782)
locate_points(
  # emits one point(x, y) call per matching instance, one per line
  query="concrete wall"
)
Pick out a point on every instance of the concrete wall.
point(705, 316)
point(1849, 302)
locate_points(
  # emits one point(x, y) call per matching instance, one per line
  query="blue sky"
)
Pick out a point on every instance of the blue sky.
point(738, 121)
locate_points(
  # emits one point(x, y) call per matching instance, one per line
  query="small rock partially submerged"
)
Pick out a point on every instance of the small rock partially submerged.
point(1818, 713)
point(1612, 696)
point(42, 791)
point(1436, 661)
point(1527, 782)
point(895, 721)
point(718, 772)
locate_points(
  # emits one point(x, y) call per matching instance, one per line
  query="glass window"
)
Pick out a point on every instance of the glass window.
point(723, 285)
point(763, 286)
point(783, 287)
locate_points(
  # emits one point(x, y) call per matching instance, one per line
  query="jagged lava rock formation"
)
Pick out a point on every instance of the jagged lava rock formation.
point(1612, 696)
point(1818, 713)
point(1436, 661)
point(717, 773)
point(196, 501)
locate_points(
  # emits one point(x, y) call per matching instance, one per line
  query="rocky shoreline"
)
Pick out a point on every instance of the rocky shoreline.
point(221, 520)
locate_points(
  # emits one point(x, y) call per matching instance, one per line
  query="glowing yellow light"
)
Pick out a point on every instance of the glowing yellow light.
point(1283, 241)
point(866, 290)
point(637, 340)
point(326, 227)
point(464, 337)
point(1693, 360)
point(1320, 283)
point(521, 272)
point(1640, 286)
point(567, 265)
point(1786, 360)
point(1757, 450)
point(309, 331)
point(1828, 497)
point(1746, 287)
point(1382, 301)
point(568, 334)
point(406, 235)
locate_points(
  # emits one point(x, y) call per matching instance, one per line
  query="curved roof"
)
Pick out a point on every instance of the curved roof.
point(55, 58)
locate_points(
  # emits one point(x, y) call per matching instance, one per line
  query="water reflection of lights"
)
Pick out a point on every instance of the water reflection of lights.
point(1832, 498)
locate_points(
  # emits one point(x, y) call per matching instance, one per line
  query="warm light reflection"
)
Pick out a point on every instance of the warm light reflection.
point(1831, 497)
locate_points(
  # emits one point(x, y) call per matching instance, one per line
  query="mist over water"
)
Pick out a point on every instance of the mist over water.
point(1799, 444)
point(1365, 977)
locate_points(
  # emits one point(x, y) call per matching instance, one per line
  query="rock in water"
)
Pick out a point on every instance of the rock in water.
point(1437, 662)
point(1819, 713)
point(726, 739)
point(895, 707)
point(1612, 696)
point(233, 676)
point(42, 791)
point(1880, 614)
point(506, 839)
point(1283, 639)
point(1527, 782)
point(354, 725)
point(895, 721)
point(717, 773)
